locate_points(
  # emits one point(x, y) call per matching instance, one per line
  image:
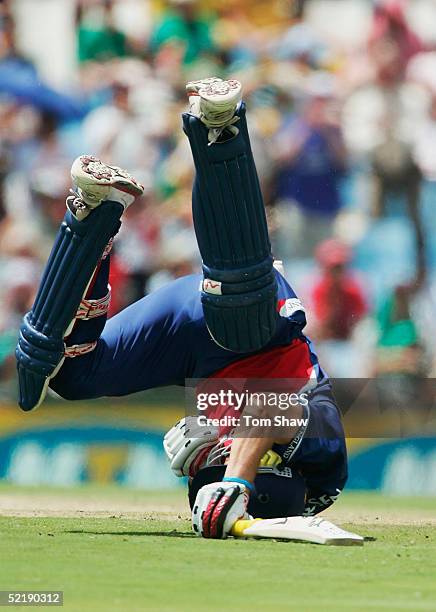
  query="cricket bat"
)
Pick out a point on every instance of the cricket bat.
point(299, 528)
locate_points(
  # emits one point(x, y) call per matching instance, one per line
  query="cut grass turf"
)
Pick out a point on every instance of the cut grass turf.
point(153, 564)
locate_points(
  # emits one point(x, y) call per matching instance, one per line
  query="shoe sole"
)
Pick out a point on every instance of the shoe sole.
point(222, 93)
point(88, 171)
point(193, 87)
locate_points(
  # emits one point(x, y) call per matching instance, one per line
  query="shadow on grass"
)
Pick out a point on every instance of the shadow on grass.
point(181, 534)
point(166, 534)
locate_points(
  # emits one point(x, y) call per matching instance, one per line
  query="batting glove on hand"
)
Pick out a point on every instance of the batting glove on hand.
point(217, 507)
point(183, 442)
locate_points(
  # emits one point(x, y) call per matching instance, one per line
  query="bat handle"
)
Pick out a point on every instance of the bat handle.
point(242, 524)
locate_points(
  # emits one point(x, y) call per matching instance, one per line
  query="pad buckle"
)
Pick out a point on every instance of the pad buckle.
point(90, 309)
point(76, 350)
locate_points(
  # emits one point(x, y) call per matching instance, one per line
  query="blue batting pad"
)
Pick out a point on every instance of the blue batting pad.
point(239, 292)
point(75, 254)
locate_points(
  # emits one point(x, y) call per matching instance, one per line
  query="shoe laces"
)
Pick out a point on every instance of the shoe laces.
point(77, 205)
point(215, 133)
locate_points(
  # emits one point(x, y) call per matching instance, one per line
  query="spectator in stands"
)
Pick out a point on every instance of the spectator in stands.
point(9, 51)
point(381, 118)
point(183, 23)
point(99, 39)
point(400, 363)
point(311, 160)
point(338, 300)
point(121, 131)
point(390, 26)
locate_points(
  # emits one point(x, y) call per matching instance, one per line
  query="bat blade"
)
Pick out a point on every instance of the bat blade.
point(298, 528)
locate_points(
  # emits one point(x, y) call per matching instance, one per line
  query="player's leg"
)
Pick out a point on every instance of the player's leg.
point(239, 288)
point(77, 260)
point(146, 345)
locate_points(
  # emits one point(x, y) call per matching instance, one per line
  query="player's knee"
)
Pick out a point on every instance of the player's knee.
point(70, 387)
point(240, 306)
point(67, 392)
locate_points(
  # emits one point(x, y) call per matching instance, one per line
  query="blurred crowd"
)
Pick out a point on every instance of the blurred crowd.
point(344, 136)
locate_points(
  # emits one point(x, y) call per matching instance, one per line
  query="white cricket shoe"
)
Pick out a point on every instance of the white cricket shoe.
point(214, 102)
point(193, 87)
point(95, 182)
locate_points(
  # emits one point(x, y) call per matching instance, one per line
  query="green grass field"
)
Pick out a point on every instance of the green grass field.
point(144, 556)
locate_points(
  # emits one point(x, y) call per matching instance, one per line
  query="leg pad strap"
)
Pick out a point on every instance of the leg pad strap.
point(90, 309)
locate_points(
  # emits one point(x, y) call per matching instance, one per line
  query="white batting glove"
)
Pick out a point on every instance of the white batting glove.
point(184, 441)
point(217, 507)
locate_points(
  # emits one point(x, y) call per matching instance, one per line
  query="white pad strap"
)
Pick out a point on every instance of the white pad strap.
point(90, 309)
point(76, 350)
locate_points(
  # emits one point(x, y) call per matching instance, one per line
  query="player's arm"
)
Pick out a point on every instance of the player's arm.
point(245, 457)
point(219, 505)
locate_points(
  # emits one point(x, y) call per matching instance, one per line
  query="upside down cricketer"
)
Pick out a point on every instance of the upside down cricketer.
point(238, 319)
